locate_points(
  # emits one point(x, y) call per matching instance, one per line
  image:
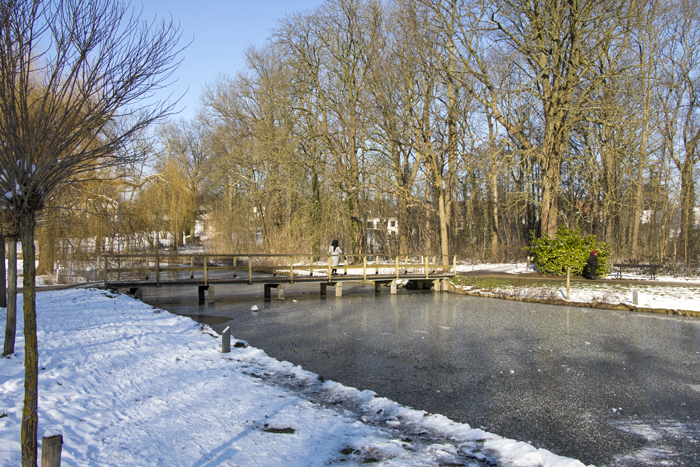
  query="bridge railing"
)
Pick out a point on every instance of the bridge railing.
point(162, 267)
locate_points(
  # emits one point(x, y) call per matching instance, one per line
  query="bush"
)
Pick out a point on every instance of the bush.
point(553, 255)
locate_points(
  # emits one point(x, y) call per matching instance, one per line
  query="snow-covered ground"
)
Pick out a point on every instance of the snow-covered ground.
point(130, 385)
point(666, 292)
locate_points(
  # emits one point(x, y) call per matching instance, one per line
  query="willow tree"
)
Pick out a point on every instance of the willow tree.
point(74, 77)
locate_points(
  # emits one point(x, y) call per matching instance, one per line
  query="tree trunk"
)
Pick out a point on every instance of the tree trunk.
point(495, 254)
point(3, 274)
point(315, 213)
point(447, 223)
point(403, 225)
point(47, 248)
point(30, 416)
point(641, 164)
point(549, 214)
point(444, 226)
point(687, 204)
point(428, 217)
point(11, 322)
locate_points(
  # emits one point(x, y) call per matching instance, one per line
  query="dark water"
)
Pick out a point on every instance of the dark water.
point(608, 388)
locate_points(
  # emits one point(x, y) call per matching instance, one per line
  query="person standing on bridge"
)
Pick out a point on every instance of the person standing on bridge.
point(335, 251)
point(592, 265)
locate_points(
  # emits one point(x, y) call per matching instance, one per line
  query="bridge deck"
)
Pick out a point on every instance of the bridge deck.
point(273, 280)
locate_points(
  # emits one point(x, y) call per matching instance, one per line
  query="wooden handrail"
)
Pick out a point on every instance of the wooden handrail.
point(189, 264)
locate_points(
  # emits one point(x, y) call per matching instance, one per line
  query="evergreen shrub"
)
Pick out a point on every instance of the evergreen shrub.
point(553, 255)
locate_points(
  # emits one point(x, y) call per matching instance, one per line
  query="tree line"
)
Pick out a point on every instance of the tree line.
point(475, 125)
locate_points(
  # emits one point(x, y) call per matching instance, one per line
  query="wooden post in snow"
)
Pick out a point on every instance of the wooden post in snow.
point(51, 445)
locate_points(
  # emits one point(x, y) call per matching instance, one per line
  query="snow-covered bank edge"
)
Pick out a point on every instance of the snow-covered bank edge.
point(589, 304)
point(128, 384)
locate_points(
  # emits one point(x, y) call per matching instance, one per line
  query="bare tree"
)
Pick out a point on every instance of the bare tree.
point(74, 77)
point(681, 109)
point(396, 92)
point(334, 51)
point(553, 45)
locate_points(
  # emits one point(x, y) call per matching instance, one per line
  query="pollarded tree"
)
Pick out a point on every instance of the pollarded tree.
point(73, 79)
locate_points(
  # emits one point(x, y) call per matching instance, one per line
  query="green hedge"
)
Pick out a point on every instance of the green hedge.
point(553, 255)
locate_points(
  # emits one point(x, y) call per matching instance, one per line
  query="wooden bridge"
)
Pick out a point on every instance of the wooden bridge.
point(136, 271)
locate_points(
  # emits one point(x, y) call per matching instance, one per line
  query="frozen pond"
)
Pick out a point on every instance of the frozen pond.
point(606, 387)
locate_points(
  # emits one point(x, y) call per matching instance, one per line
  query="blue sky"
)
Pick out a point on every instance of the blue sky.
point(220, 30)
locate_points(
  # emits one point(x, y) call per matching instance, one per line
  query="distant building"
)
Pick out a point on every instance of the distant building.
point(381, 233)
point(392, 224)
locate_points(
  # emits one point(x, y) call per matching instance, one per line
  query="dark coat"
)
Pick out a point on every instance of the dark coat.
point(592, 266)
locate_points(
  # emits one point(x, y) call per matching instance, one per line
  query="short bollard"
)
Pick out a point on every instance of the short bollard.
point(226, 340)
point(51, 445)
point(635, 297)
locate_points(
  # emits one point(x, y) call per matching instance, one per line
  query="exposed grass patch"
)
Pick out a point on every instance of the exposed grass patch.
point(283, 431)
point(488, 284)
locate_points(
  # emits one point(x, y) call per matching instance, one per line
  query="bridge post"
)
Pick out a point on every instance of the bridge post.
point(377, 287)
point(157, 269)
point(268, 292)
point(210, 297)
point(338, 289)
